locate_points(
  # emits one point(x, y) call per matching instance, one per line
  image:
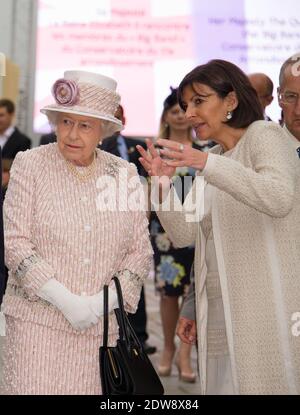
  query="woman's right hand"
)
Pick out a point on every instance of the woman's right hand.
point(78, 312)
point(152, 162)
point(186, 330)
point(74, 307)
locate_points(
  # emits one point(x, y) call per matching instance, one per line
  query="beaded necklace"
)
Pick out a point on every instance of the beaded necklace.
point(85, 173)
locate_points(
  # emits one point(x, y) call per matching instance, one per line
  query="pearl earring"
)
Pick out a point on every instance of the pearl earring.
point(229, 115)
point(166, 125)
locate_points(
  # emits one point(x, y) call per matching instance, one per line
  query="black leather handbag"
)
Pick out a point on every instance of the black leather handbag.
point(125, 369)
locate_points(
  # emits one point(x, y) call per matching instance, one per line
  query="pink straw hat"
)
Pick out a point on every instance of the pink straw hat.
point(86, 93)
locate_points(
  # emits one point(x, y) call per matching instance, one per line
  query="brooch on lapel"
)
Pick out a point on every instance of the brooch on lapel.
point(112, 168)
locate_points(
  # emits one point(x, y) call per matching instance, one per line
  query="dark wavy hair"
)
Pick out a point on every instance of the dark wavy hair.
point(225, 77)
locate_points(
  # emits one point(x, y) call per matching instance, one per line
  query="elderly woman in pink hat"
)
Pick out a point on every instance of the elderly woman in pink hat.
point(66, 235)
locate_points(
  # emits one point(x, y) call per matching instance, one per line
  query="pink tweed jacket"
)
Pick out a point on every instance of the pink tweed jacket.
point(59, 226)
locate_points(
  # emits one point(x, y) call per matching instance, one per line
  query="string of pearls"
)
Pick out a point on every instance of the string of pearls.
point(85, 173)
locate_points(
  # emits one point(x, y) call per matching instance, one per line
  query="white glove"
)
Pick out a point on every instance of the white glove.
point(96, 301)
point(74, 307)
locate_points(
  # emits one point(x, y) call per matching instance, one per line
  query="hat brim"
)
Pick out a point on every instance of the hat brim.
point(114, 124)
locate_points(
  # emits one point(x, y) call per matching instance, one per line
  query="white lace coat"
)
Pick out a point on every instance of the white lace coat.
point(256, 227)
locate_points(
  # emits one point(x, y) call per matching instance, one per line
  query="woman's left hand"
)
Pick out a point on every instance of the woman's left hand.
point(180, 155)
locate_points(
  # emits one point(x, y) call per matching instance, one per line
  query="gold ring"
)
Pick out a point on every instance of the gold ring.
point(181, 148)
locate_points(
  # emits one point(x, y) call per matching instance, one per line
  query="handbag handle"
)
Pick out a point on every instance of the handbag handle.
point(125, 330)
point(105, 315)
point(120, 314)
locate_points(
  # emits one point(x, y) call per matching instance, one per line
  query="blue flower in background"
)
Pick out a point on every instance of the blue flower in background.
point(170, 271)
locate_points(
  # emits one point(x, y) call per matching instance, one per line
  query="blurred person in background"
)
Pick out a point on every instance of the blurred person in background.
point(263, 86)
point(11, 139)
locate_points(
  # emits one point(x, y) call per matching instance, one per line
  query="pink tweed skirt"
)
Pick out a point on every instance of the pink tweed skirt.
point(39, 360)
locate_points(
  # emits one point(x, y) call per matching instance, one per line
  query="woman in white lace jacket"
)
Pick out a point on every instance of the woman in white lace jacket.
point(69, 228)
point(243, 215)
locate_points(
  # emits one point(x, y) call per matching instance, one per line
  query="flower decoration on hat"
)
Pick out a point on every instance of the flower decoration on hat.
point(65, 92)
